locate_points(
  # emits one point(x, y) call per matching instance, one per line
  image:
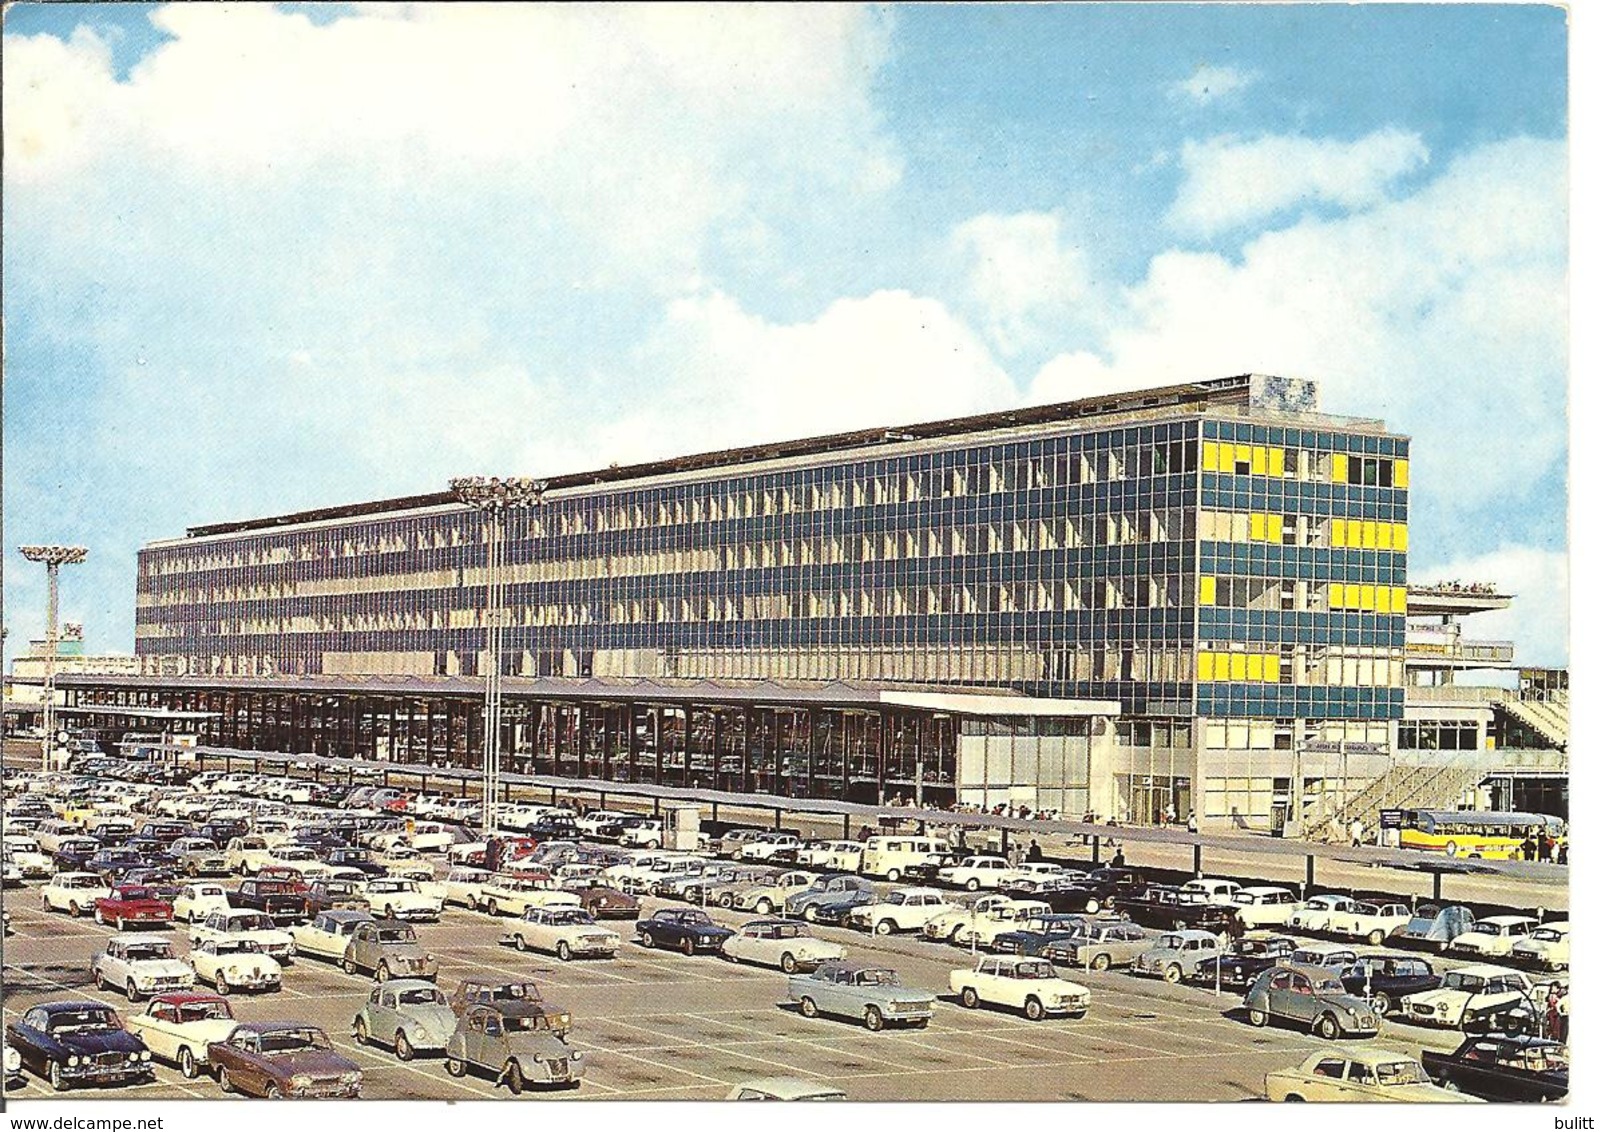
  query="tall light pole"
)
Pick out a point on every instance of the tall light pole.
point(493, 498)
point(54, 557)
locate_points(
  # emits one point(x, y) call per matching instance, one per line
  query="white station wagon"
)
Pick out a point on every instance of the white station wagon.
point(73, 893)
point(566, 932)
point(903, 910)
point(140, 965)
point(1494, 936)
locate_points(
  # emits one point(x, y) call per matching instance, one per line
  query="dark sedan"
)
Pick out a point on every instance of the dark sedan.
point(606, 903)
point(1498, 1068)
point(73, 854)
point(689, 929)
point(359, 859)
point(283, 1059)
point(78, 1043)
point(1246, 960)
point(1383, 980)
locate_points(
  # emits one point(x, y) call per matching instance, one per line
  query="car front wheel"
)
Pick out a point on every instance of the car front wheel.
point(873, 1019)
point(788, 963)
point(1173, 973)
point(187, 1065)
point(969, 998)
point(764, 907)
point(58, 1080)
point(1033, 1009)
point(456, 1066)
point(688, 945)
point(1380, 1004)
point(885, 927)
point(519, 942)
point(809, 1008)
point(647, 941)
point(222, 984)
point(224, 1081)
point(514, 1077)
point(1327, 1027)
point(564, 951)
point(1257, 1017)
point(1100, 962)
point(403, 1047)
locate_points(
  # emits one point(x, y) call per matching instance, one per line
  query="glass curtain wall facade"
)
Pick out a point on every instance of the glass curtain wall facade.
point(1212, 563)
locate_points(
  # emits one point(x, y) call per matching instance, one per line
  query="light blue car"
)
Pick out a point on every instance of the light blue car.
point(407, 1015)
point(864, 991)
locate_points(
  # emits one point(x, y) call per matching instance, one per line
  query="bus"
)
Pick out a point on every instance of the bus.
point(1492, 834)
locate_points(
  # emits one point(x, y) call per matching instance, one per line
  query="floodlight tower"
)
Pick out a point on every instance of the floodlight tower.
point(54, 557)
point(493, 498)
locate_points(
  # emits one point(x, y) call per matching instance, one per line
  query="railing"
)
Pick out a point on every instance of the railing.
point(1490, 652)
point(1456, 694)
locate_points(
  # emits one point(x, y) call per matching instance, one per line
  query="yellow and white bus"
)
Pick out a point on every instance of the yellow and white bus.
point(1489, 834)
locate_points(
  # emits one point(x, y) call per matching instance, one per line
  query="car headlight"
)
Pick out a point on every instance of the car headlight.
point(144, 1055)
point(351, 1077)
point(429, 958)
point(133, 1058)
point(300, 1081)
point(564, 1019)
point(575, 1056)
point(72, 1061)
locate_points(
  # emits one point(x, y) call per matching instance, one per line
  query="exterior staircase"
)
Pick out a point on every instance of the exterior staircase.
point(1431, 786)
point(1550, 718)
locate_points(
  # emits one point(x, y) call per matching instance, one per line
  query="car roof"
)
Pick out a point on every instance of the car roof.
point(409, 984)
point(920, 892)
point(1307, 970)
point(342, 915)
point(514, 1007)
point(854, 966)
point(1508, 920)
point(1193, 933)
point(1262, 888)
point(1558, 925)
point(1485, 970)
point(1367, 1055)
point(185, 998)
point(67, 1004)
point(787, 1085)
point(275, 1027)
point(1320, 947)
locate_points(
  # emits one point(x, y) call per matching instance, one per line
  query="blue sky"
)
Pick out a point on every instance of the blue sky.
point(262, 259)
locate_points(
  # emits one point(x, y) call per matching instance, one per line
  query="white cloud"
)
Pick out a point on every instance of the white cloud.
point(1209, 83)
point(1443, 312)
point(1025, 274)
point(1536, 620)
point(1229, 182)
point(728, 377)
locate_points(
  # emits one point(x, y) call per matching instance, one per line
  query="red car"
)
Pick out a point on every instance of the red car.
point(133, 904)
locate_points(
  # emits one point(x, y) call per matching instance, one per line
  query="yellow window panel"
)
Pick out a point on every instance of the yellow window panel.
point(1384, 536)
point(1335, 596)
point(1401, 473)
point(1245, 454)
point(1400, 599)
point(1206, 666)
point(1260, 461)
point(1256, 527)
point(1351, 595)
point(1340, 468)
point(1368, 597)
point(1239, 667)
point(1256, 666)
point(1340, 532)
point(1206, 589)
point(1211, 457)
point(1401, 538)
point(1273, 528)
point(1368, 534)
point(1278, 460)
point(1273, 668)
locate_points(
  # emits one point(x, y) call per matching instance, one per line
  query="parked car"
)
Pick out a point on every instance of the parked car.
point(515, 1041)
point(407, 1015)
point(901, 910)
point(606, 903)
point(140, 966)
point(767, 896)
point(73, 893)
point(1019, 982)
point(1356, 1075)
point(1100, 946)
point(132, 904)
point(1214, 890)
point(766, 845)
point(1177, 955)
point(486, 991)
point(1371, 920)
point(1176, 908)
point(1315, 914)
point(1493, 937)
point(329, 933)
point(867, 991)
point(1247, 957)
point(975, 873)
point(779, 943)
point(1038, 933)
point(234, 964)
point(1503, 1068)
point(566, 932)
point(78, 1043)
point(388, 949)
point(833, 889)
point(945, 926)
point(1333, 956)
point(1384, 980)
point(283, 1059)
point(832, 856)
point(1436, 926)
point(400, 898)
point(178, 1028)
point(1264, 906)
point(255, 928)
point(688, 929)
point(1465, 993)
point(1548, 946)
point(1311, 997)
point(200, 857)
point(336, 893)
point(281, 900)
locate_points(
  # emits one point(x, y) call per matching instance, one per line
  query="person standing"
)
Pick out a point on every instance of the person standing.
point(1552, 1014)
point(1356, 831)
point(1034, 853)
point(1528, 849)
point(1192, 822)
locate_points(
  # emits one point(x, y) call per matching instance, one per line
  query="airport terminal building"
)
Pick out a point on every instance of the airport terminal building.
point(1184, 597)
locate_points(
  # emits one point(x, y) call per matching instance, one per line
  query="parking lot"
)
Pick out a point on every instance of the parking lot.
point(657, 1025)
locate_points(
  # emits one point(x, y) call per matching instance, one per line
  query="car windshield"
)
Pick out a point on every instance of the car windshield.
point(76, 1021)
point(527, 991)
point(879, 977)
point(1033, 971)
point(1401, 1073)
point(257, 923)
point(1456, 980)
point(293, 1041)
point(1328, 986)
point(137, 894)
point(1548, 935)
point(235, 946)
point(150, 951)
point(203, 1011)
point(397, 935)
point(523, 1023)
point(390, 886)
point(1484, 928)
point(420, 996)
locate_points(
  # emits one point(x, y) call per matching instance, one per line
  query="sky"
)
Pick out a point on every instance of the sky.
point(259, 259)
